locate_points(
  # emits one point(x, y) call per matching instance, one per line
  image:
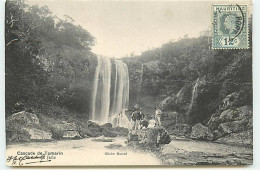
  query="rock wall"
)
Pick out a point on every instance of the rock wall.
point(212, 118)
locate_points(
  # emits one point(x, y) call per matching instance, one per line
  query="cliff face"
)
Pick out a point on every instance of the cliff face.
point(195, 86)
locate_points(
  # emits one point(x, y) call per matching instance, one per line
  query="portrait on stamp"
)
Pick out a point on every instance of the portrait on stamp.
point(230, 27)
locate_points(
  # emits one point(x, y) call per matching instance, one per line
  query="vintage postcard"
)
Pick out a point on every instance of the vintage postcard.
point(107, 83)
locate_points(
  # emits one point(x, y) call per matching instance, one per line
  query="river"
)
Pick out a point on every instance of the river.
point(86, 152)
point(83, 152)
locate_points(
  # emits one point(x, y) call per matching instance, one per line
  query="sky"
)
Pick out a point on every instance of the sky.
point(121, 28)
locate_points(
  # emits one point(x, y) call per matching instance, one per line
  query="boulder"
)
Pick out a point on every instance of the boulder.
point(230, 115)
point(106, 125)
point(214, 122)
point(109, 132)
point(25, 119)
point(38, 135)
point(17, 135)
point(91, 129)
point(65, 130)
point(163, 137)
point(244, 112)
point(243, 138)
point(235, 114)
point(93, 125)
point(65, 126)
point(71, 135)
point(152, 136)
point(147, 135)
point(230, 100)
point(23, 127)
point(201, 132)
point(103, 139)
point(234, 126)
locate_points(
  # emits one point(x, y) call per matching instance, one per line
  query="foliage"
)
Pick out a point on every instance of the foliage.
point(48, 59)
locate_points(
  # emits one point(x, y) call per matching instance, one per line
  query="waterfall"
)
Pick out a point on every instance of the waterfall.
point(101, 90)
point(194, 95)
point(121, 95)
point(121, 88)
point(102, 110)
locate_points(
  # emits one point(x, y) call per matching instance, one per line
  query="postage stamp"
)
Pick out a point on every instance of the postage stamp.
point(230, 27)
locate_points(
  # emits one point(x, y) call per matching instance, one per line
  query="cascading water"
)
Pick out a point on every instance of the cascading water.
point(101, 90)
point(121, 88)
point(194, 95)
point(121, 96)
point(102, 110)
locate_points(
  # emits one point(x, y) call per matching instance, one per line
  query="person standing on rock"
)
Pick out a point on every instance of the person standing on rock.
point(137, 117)
point(157, 116)
point(133, 118)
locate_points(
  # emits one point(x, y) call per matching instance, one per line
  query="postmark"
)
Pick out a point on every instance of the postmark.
point(230, 26)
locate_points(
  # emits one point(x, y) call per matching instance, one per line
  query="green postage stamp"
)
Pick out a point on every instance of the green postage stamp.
point(230, 27)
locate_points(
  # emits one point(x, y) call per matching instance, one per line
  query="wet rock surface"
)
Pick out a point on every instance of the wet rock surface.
point(242, 138)
point(201, 132)
point(191, 152)
point(103, 139)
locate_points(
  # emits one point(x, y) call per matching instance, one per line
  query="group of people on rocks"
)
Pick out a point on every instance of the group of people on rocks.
point(139, 121)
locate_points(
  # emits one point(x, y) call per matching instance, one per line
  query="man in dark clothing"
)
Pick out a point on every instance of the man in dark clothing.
point(137, 117)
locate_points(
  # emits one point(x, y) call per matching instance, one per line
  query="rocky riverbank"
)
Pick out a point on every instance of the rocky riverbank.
point(25, 127)
point(193, 152)
point(157, 142)
point(178, 151)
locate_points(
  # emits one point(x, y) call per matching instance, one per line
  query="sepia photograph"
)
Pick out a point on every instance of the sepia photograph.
point(128, 83)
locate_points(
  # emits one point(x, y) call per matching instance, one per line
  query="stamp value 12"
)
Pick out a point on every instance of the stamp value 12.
point(230, 27)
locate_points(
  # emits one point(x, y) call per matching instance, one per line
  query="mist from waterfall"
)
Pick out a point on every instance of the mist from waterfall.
point(108, 103)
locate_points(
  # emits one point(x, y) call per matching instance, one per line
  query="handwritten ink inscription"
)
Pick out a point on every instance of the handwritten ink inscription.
point(27, 158)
